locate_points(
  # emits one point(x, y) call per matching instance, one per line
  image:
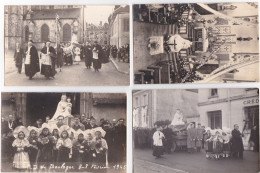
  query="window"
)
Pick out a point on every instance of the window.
point(126, 25)
point(213, 92)
point(145, 100)
point(215, 119)
point(66, 33)
point(136, 102)
point(251, 116)
point(45, 33)
point(26, 33)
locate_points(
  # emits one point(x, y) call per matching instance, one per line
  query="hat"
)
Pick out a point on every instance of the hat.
point(64, 128)
point(99, 129)
point(45, 126)
point(60, 116)
point(218, 130)
point(226, 130)
point(89, 131)
point(77, 133)
point(19, 129)
point(30, 128)
point(208, 128)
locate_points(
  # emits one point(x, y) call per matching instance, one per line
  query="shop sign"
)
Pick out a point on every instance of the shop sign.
point(251, 101)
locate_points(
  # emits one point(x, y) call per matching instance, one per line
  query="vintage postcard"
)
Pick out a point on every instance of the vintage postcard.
point(196, 43)
point(196, 130)
point(63, 132)
point(66, 45)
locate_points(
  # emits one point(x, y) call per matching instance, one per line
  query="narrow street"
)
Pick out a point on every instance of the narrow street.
point(75, 75)
point(183, 162)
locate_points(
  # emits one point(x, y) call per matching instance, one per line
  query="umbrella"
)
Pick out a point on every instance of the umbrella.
point(19, 129)
point(103, 133)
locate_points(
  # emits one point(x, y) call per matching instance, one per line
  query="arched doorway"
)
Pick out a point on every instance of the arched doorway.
point(45, 31)
point(66, 33)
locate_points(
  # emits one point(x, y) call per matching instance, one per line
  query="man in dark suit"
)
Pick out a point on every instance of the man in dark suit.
point(92, 124)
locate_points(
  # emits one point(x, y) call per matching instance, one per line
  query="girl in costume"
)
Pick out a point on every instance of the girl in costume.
point(64, 145)
point(33, 149)
point(21, 160)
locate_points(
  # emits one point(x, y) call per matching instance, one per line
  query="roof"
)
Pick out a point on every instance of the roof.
point(69, 13)
point(208, 68)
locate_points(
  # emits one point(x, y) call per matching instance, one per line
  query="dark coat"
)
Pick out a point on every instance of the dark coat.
point(88, 126)
point(88, 55)
point(237, 143)
point(34, 66)
point(18, 57)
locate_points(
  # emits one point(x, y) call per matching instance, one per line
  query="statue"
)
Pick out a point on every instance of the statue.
point(178, 118)
point(63, 108)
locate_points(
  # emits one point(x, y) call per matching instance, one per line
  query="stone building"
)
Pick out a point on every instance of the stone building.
point(220, 108)
point(119, 26)
point(150, 106)
point(98, 33)
point(32, 106)
point(39, 23)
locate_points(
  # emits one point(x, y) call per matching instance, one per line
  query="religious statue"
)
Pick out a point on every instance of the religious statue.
point(178, 118)
point(63, 108)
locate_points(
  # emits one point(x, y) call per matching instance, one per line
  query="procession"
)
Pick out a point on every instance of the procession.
point(67, 45)
point(65, 142)
point(195, 130)
point(50, 60)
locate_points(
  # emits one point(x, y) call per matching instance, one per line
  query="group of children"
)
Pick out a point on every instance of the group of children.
point(37, 148)
point(217, 143)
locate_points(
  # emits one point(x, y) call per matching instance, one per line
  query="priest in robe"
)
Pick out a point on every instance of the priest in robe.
point(48, 54)
point(32, 65)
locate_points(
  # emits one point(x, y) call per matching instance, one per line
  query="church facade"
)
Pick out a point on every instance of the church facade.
point(41, 23)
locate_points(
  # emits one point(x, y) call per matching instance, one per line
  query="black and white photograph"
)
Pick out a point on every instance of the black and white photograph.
point(196, 130)
point(196, 43)
point(63, 132)
point(66, 45)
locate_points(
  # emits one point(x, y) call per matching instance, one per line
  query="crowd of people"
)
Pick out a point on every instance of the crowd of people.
point(81, 145)
point(50, 58)
point(217, 143)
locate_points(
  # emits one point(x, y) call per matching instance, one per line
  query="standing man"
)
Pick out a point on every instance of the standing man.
point(120, 140)
point(237, 143)
point(191, 138)
point(88, 55)
point(199, 137)
point(92, 124)
point(32, 65)
point(18, 57)
point(48, 61)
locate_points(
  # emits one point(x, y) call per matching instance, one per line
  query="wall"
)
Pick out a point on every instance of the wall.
point(119, 37)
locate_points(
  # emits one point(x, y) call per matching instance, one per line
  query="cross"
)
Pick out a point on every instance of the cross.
point(226, 48)
point(174, 44)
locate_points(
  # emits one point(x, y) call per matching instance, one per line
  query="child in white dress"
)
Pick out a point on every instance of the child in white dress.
point(21, 144)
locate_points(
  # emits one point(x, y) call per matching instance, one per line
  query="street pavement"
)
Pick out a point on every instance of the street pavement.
point(183, 162)
point(75, 75)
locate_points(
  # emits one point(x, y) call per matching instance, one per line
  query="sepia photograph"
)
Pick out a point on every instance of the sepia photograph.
point(66, 45)
point(63, 132)
point(195, 43)
point(196, 130)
